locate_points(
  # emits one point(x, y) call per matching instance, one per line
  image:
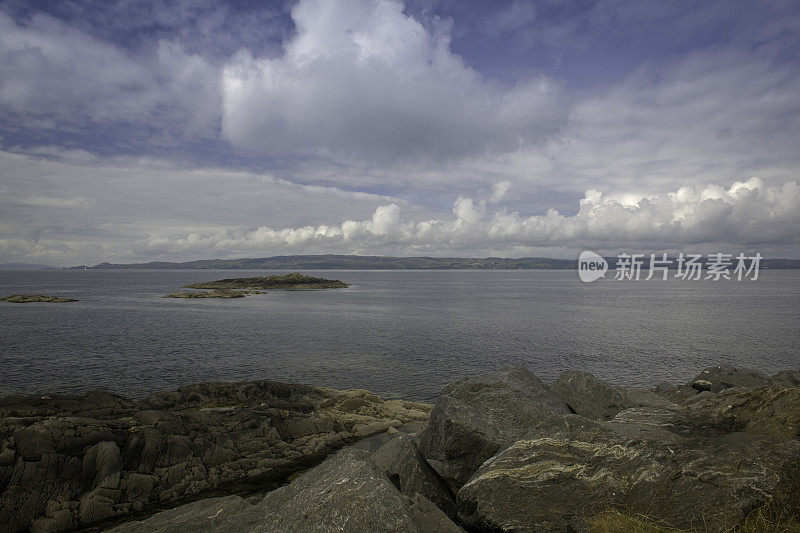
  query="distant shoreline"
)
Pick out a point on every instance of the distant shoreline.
point(358, 262)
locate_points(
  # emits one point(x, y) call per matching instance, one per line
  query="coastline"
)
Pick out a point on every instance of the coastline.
point(97, 460)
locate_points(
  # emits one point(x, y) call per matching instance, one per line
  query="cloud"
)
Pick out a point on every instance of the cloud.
point(362, 79)
point(746, 214)
point(56, 77)
point(499, 190)
point(72, 207)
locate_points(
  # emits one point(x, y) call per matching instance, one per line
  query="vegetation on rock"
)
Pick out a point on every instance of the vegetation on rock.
point(294, 280)
point(211, 294)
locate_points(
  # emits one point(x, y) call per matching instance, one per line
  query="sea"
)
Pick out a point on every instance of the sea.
point(402, 333)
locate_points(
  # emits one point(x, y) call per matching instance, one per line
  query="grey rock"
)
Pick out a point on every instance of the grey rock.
point(474, 418)
point(725, 376)
point(589, 396)
point(646, 398)
point(102, 466)
point(787, 378)
point(411, 474)
point(31, 442)
point(347, 492)
point(675, 393)
point(702, 385)
point(703, 465)
point(429, 518)
point(82, 460)
point(766, 410)
point(209, 515)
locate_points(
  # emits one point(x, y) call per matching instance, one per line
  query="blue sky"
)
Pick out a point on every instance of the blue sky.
point(135, 131)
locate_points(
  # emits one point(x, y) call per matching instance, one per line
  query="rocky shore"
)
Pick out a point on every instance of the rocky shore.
point(501, 452)
point(69, 462)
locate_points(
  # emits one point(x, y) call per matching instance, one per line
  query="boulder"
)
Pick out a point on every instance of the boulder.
point(102, 466)
point(429, 518)
point(474, 418)
point(787, 378)
point(204, 516)
point(704, 465)
point(768, 410)
point(411, 474)
point(31, 442)
point(717, 378)
point(589, 396)
point(675, 393)
point(347, 492)
point(646, 398)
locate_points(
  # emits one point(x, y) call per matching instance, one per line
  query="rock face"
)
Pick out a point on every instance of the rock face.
point(705, 463)
point(542, 482)
point(787, 378)
point(590, 397)
point(73, 461)
point(411, 474)
point(474, 418)
point(346, 493)
point(722, 377)
point(502, 452)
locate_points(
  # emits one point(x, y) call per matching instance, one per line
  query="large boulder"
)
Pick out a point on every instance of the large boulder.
point(102, 466)
point(204, 516)
point(411, 474)
point(347, 492)
point(429, 518)
point(718, 378)
point(589, 396)
point(474, 418)
point(786, 378)
point(704, 465)
point(768, 410)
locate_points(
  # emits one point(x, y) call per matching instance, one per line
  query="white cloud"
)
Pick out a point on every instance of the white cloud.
point(361, 78)
point(746, 214)
point(499, 191)
point(95, 208)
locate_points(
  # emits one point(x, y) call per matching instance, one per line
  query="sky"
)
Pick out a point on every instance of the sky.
point(135, 131)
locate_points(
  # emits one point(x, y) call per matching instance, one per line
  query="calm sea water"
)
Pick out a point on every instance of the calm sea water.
point(403, 333)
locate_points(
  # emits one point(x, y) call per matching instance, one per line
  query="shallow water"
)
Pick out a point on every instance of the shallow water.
point(398, 333)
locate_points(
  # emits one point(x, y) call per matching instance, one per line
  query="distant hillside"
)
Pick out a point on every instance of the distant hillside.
point(24, 266)
point(354, 262)
point(363, 262)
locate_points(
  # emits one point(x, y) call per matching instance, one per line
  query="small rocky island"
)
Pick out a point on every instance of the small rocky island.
point(31, 298)
point(499, 452)
point(240, 287)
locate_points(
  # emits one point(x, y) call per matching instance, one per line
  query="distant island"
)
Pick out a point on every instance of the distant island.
point(239, 287)
point(31, 298)
point(376, 262)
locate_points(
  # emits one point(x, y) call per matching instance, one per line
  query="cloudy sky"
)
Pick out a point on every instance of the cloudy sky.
point(171, 130)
